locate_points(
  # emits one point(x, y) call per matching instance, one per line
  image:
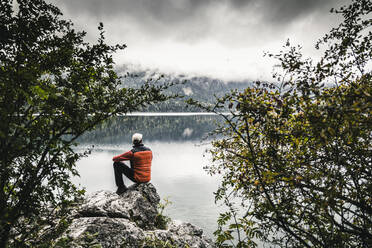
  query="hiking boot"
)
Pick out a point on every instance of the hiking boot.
point(121, 190)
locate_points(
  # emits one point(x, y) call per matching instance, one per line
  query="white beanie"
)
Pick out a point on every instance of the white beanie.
point(136, 138)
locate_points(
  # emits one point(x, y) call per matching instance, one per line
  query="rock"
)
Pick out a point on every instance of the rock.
point(138, 204)
point(181, 233)
point(128, 220)
point(109, 232)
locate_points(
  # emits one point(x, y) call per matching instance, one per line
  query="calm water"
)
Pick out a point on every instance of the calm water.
point(177, 173)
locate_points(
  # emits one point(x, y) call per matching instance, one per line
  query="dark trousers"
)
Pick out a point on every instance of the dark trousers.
point(119, 169)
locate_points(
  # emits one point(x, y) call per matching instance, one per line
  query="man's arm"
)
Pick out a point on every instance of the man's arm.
point(124, 156)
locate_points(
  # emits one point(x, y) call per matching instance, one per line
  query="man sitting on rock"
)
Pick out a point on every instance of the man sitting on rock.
point(140, 158)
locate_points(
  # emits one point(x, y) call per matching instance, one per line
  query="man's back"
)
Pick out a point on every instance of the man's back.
point(141, 162)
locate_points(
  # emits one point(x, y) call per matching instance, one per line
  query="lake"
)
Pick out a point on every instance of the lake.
point(177, 168)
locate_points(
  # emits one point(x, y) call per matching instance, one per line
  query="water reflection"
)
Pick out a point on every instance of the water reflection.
point(154, 128)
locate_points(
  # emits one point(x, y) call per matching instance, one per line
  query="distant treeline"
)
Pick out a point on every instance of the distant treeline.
point(154, 128)
point(165, 128)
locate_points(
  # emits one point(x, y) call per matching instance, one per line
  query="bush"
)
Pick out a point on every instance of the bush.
point(297, 153)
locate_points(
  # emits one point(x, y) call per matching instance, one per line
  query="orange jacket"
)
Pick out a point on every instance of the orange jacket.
point(140, 159)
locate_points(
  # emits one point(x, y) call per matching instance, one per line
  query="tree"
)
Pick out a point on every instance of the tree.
point(53, 88)
point(297, 153)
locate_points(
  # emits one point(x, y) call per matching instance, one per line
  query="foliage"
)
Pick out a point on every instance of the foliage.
point(89, 241)
point(231, 228)
point(161, 220)
point(154, 242)
point(298, 153)
point(44, 230)
point(53, 88)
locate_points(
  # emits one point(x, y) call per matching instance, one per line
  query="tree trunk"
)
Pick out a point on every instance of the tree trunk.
point(4, 235)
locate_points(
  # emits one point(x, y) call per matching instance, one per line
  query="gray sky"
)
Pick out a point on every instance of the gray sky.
point(223, 39)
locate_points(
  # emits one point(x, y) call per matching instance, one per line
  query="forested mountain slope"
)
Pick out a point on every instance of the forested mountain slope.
point(199, 88)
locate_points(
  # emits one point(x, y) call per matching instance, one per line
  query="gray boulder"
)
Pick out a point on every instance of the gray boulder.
point(129, 220)
point(138, 204)
point(181, 233)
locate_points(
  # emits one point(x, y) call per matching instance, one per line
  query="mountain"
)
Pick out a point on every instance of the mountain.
point(202, 89)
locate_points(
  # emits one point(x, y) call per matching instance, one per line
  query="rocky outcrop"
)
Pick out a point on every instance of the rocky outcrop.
point(130, 220)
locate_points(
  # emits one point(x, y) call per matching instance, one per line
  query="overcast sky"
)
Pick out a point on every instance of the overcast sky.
point(223, 39)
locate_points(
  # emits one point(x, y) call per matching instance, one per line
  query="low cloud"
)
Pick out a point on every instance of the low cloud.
point(187, 132)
